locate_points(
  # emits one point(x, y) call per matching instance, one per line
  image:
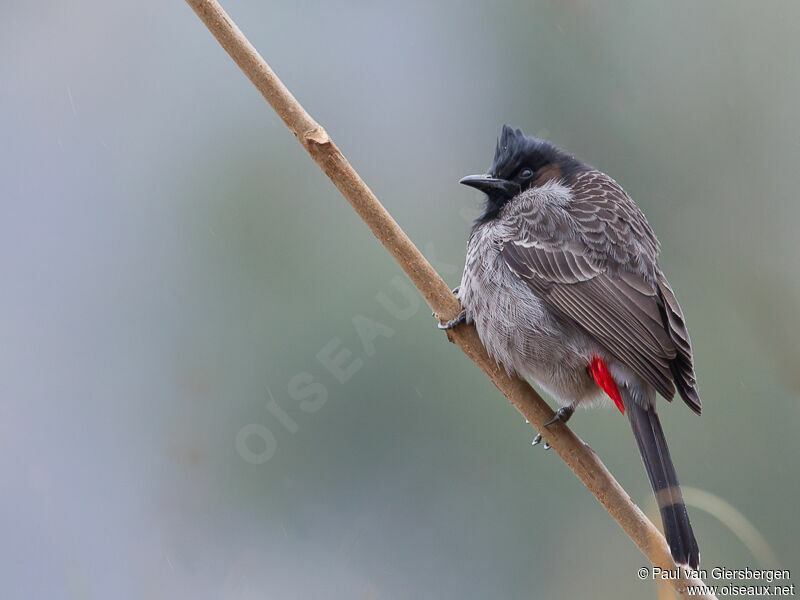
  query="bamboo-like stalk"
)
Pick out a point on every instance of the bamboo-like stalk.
point(583, 461)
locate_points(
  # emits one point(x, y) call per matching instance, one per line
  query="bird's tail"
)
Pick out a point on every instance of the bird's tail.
point(655, 454)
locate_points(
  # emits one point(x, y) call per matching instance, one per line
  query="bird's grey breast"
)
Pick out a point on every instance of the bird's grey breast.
point(515, 324)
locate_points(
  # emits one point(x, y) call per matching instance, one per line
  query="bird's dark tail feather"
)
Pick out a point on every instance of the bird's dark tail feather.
point(655, 454)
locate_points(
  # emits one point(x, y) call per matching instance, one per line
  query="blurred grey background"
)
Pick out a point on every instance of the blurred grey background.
point(173, 265)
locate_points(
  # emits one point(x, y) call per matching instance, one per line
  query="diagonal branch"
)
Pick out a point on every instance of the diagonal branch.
point(578, 456)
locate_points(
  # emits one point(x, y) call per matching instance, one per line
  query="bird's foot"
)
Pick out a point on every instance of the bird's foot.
point(538, 439)
point(462, 316)
point(563, 414)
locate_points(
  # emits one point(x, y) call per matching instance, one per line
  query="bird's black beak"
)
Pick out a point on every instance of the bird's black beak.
point(491, 185)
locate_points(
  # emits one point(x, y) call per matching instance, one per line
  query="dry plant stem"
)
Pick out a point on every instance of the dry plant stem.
point(578, 456)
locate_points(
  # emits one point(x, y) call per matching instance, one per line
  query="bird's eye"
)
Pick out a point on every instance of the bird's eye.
point(525, 174)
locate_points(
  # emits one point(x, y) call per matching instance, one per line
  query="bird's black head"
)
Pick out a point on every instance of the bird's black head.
point(520, 162)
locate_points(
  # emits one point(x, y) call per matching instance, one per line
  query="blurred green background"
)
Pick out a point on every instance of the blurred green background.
point(173, 264)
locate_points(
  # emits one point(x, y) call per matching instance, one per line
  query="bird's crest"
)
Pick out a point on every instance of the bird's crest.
point(511, 144)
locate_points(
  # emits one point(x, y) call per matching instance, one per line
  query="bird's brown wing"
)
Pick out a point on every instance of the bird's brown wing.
point(621, 313)
point(603, 276)
point(683, 365)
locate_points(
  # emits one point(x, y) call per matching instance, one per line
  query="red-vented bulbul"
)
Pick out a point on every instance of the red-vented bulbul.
point(563, 284)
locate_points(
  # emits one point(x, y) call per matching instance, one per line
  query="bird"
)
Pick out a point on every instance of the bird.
point(563, 285)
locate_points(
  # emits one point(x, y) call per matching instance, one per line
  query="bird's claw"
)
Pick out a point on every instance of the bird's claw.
point(538, 439)
point(462, 316)
point(562, 414)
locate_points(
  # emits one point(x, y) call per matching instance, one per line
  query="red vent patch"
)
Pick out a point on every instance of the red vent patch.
point(602, 376)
